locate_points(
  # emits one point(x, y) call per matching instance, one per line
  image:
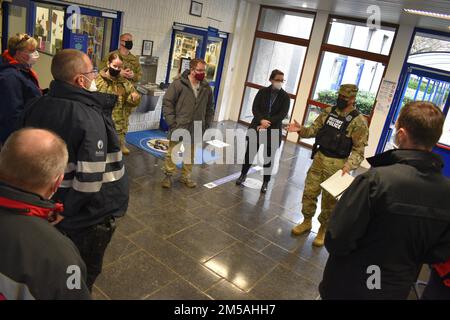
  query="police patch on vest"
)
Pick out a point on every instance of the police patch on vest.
point(334, 122)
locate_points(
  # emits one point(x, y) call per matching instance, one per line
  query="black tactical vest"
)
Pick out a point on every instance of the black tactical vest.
point(331, 139)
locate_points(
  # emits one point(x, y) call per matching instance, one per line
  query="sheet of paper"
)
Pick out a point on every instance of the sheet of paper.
point(337, 183)
point(218, 144)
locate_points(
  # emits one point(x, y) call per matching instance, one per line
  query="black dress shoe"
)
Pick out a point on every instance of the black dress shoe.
point(264, 187)
point(241, 179)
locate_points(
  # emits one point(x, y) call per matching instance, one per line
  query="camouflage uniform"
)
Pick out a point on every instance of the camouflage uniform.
point(324, 167)
point(122, 88)
point(129, 62)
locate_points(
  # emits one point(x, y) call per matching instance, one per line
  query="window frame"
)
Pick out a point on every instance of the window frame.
point(278, 38)
point(361, 54)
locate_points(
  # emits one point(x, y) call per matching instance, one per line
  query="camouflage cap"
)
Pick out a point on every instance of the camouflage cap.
point(348, 90)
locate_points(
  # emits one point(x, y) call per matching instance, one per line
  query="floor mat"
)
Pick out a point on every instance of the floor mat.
point(140, 140)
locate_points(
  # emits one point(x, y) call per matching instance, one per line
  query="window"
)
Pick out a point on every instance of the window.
point(287, 23)
point(359, 36)
point(431, 51)
point(355, 54)
point(48, 28)
point(281, 42)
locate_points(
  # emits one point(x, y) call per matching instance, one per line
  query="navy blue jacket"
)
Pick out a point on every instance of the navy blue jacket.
point(17, 87)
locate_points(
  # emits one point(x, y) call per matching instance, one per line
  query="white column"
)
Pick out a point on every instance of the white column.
point(307, 79)
point(398, 57)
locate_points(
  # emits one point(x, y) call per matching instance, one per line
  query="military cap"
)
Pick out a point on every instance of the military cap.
point(348, 90)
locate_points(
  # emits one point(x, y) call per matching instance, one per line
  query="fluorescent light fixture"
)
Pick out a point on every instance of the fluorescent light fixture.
point(305, 5)
point(428, 13)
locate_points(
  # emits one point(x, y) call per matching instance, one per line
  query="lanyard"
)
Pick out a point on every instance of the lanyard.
point(272, 100)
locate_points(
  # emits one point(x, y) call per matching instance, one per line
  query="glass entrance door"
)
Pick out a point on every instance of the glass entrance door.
point(421, 84)
point(186, 46)
point(14, 20)
point(212, 58)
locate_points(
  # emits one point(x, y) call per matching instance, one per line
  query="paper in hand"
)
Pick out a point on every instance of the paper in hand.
point(337, 184)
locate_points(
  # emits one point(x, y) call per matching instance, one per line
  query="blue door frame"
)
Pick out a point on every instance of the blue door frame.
point(31, 17)
point(421, 71)
point(201, 53)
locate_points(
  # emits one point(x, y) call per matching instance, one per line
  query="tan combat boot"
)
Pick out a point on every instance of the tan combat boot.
point(188, 182)
point(319, 241)
point(123, 146)
point(167, 182)
point(303, 227)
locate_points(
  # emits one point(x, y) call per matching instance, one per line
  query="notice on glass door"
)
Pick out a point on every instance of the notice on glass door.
point(385, 96)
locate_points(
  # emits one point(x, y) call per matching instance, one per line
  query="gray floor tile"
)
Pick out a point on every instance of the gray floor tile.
point(178, 290)
point(237, 265)
point(201, 241)
point(118, 248)
point(167, 222)
point(283, 284)
point(134, 277)
point(171, 256)
point(294, 263)
point(278, 231)
point(225, 290)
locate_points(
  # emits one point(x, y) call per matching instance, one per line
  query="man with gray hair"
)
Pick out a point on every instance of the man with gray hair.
point(95, 186)
point(34, 257)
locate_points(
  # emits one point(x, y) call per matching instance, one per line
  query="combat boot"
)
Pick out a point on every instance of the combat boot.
point(167, 182)
point(319, 241)
point(188, 182)
point(303, 227)
point(123, 146)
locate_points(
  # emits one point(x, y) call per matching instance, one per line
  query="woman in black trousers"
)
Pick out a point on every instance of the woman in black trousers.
point(270, 107)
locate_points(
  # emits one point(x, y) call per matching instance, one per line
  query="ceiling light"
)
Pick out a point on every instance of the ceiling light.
point(305, 5)
point(428, 13)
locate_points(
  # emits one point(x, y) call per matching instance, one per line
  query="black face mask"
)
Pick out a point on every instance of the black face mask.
point(113, 72)
point(128, 45)
point(341, 104)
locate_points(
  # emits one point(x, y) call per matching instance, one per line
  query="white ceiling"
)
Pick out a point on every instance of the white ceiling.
point(391, 10)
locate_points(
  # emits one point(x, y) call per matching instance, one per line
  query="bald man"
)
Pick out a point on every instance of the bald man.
point(131, 67)
point(35, 259)
point(95, 187)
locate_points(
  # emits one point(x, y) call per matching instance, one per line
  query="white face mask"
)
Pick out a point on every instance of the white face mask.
point(277, 85)
point(93, 86)
point(33, 57)
point(394, 139)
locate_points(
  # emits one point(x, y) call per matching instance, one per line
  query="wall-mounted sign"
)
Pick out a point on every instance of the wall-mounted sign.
point(79, 42)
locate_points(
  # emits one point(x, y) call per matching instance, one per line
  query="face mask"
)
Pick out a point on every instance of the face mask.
point(128, 45)
point(113, 72)
point(395, 144)
point(200, 76)
point(92, 87)
point(341, 104)
point(277, 85)
point(32, 58)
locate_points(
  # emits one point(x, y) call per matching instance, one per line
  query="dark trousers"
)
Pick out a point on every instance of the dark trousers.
point(270, 148)
point(92, 243)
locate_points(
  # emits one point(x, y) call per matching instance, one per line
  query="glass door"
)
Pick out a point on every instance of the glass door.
point(422, 84)
point(186, 46)
point(14, 20)
point(94, 32)
point(212, 58)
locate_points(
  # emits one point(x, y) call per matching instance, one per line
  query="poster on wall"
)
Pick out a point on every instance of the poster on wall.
point(386, 96)
point(79, 42)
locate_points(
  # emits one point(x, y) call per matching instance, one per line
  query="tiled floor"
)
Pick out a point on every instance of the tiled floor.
point(225, 243)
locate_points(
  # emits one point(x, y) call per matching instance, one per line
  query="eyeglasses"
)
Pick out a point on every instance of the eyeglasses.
point(94, 71)
point(282, 81)
point(200, 70)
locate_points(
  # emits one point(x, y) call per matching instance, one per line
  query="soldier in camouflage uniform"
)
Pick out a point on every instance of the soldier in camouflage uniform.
point(341, 134)
point(110, 81)
point(131, 67)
